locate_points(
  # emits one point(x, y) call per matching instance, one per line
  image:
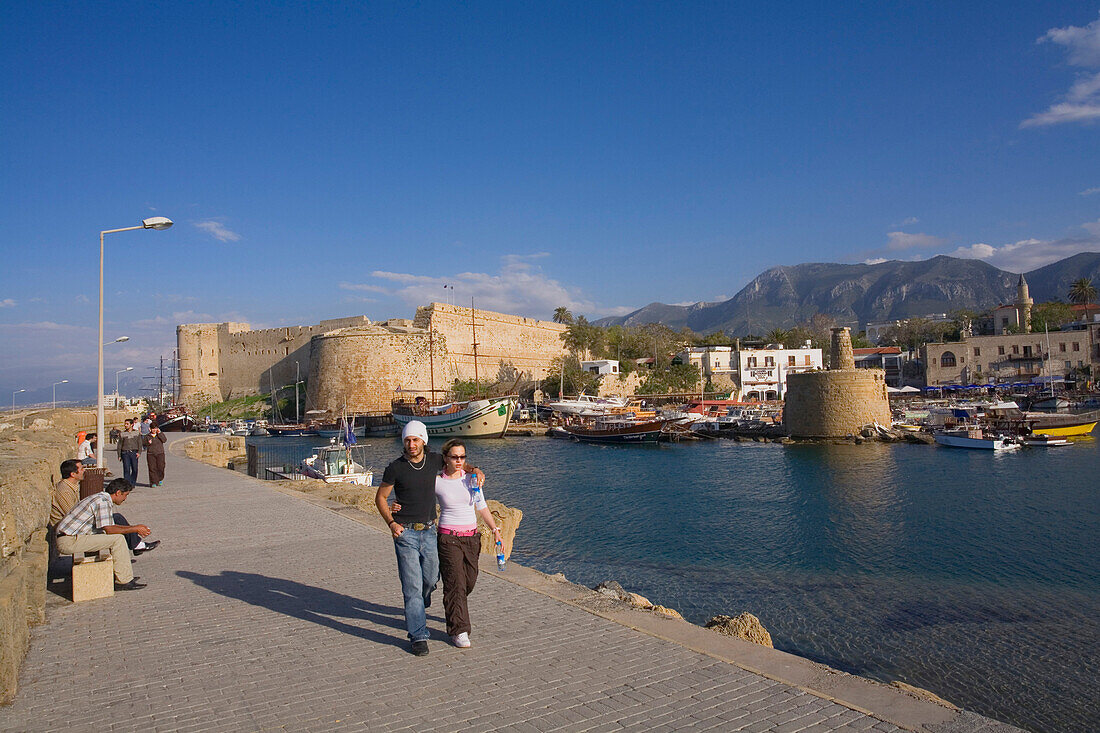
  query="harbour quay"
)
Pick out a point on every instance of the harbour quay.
point(270, 610)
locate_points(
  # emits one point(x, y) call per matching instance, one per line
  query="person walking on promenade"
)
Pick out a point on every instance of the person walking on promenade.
point(459, 541)
point(411, 479)
point(129, 448)
point(154, 455)
point(90, 527)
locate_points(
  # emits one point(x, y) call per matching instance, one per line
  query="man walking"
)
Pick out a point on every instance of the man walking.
point(154, 455)
point(129, 448)
point(411, 479)
point(90, 527)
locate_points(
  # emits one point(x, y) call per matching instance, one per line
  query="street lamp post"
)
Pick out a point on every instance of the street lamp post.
point(120, 371)
point(13, 394)
point(63, 381)
point(155, 222)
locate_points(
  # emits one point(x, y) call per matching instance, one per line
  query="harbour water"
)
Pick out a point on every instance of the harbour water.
point(971, 574)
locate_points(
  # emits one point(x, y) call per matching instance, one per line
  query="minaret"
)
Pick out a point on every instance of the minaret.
point(1023, 305)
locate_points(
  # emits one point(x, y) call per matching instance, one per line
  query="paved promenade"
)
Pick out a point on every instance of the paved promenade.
point(268, 611)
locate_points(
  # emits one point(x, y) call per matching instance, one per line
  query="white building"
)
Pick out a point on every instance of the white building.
point(759, 374)
point(601, 367)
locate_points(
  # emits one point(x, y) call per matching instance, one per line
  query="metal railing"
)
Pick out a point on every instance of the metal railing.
point(275, 462)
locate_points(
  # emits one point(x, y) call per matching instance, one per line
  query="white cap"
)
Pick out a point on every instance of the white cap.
point(415, 429)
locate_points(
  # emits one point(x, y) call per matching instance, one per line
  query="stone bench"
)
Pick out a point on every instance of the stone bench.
point(92, 575)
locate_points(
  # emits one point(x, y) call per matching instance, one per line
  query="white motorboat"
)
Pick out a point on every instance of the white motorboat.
point(587, 405)
point(974, 437)
point(487, 418)
point(333, 464)
point(1044, 441)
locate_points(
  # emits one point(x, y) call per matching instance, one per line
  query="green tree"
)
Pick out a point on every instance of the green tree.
point(576, 380)
point(677, 378)
point(1082, 292)
point(1050, 316)
point(562, 315)
point(778, 336)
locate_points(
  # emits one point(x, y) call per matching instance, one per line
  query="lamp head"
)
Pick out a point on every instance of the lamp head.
point(157, 222)
point(129, 369)
point(120, 339)
point(64, 381)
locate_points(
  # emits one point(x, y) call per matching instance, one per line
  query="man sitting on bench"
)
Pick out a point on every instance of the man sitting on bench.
point(66, 494)
point(90, 527)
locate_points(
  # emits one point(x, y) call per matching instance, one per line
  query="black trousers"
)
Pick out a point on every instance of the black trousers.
point(458, 567)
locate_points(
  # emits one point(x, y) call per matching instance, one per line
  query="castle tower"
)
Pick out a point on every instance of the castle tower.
point(1023, 305)
point(840, 349)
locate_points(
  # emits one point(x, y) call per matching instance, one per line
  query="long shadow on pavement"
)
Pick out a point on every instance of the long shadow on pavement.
point(306, 602)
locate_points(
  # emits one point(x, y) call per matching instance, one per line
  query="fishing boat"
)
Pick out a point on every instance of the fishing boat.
point(617, 430)
point(1007, 417)
point(1044, 441)
point(484, 418)
point(175, 419)
point(970, 436)
point(334, 464)
point(292, 429)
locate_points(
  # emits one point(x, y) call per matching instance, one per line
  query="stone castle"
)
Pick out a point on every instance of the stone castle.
point(359, 362)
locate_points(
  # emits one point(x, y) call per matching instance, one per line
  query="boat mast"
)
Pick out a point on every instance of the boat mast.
point(431, 360)
point(473, 328)
point(1050, 369)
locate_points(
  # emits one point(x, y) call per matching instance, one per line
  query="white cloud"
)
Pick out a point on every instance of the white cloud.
point(902, 240)
point(875, 261)
point(518, 288)
point(217, 230)
point(910, 221)
point(7, 303)
point(1082, 101)
point(1029, 254)
point(1089, 191)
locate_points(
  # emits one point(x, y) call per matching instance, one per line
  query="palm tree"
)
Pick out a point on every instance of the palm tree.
point(562, 315)
point(777, 336)
point(1082, 292)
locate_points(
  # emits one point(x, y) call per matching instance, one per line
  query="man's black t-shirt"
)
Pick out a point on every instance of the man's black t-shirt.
point(414, 488)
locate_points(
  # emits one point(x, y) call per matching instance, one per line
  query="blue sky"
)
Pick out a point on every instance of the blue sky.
point(322, 160)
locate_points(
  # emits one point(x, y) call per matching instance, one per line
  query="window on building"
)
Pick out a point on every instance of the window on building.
point(790, 360)
point(769, 361)
point(1076, 346)
point(977, 367)
point(1000, 351)
point(751, 362)
point(807, 359)
point(948, 359)
point(1015, 349)
point(977, 351)
point(1062, 346)
point(1027, 350)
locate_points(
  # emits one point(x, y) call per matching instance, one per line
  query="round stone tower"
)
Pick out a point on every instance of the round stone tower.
point(1023, 305)
point(836, 403)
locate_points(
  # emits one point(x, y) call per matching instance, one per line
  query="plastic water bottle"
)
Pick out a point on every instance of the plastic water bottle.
point(476, 490)
point(500, 555)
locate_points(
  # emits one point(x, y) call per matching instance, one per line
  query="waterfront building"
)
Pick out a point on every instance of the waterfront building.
point(887, 358)
point(601, 367)
point(753, 373)
point(1010, 358)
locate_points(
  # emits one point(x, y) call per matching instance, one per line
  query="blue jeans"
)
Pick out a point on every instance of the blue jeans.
point(130, 466)
point(418, 567)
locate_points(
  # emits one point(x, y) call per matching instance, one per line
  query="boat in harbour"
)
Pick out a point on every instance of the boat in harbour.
point(292, 429)
point(970, 436)
point(175, 419)
point(334, 463)
point(617, 430)
point(1044, 441)
point(481, 418)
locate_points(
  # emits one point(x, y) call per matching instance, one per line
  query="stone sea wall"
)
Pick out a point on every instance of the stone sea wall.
point(32, 447)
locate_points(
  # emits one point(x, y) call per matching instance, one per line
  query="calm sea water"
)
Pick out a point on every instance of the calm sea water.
point(971, 574)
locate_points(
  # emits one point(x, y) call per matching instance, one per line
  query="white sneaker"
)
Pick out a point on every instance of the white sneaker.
point(462, 641)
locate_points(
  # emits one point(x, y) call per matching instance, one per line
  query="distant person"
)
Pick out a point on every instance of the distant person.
point(154, 455)
point(129, 448)
point(113, 435)
point(85, 453)
point(411, 479)
point(90, 527)
point(459, 542)
point(143, 426)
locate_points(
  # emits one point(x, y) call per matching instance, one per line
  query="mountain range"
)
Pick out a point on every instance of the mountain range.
point(784, 297)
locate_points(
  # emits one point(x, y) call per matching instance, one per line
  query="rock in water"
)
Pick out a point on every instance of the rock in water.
point(746, 626)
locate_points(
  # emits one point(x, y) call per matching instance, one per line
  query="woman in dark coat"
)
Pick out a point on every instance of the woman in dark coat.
point(154, 455)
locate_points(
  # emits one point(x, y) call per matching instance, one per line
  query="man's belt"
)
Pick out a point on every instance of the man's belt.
point(418, 526)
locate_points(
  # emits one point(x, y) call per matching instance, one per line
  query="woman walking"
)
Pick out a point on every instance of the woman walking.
point(154, 455)
point(459, 542)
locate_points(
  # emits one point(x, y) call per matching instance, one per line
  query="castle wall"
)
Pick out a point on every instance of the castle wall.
point(835, 403)
point(220, 361)
point(365, 365)
point(528, 344)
